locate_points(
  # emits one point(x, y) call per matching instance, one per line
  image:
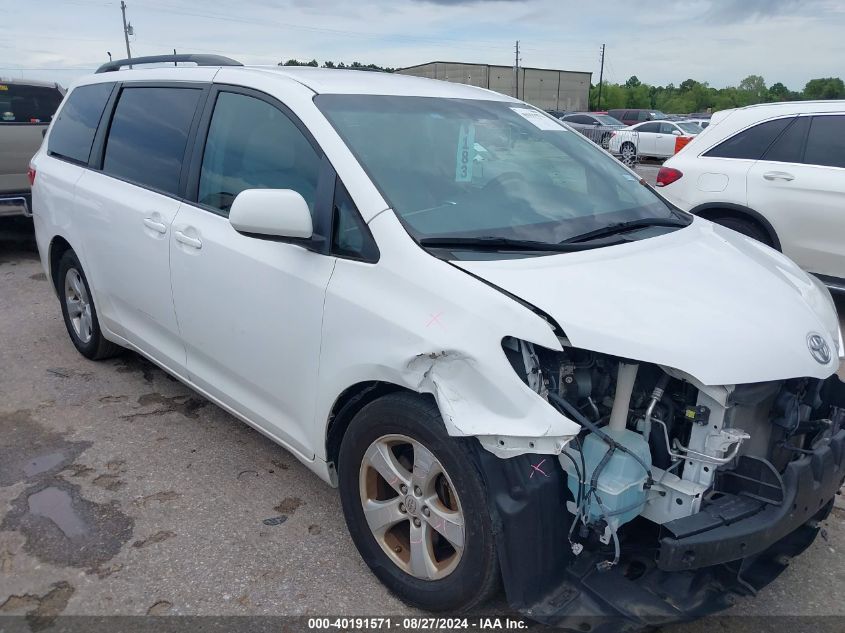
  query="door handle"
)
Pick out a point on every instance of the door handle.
point(187, 240)
point(158, 227)
point(778, 175)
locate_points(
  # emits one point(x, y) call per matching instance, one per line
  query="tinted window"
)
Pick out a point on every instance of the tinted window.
point(751, 143)
point(350, 236)
point(20, 103)
point(789, 146)
point(826, 142)
point(253, 145)
point(579, 118)
point(641, 116)
point(148, 134)
point(73, 131)
point(649, 127)
point(667, 128)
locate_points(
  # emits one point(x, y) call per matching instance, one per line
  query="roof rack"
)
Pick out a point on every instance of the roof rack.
point(199, 60)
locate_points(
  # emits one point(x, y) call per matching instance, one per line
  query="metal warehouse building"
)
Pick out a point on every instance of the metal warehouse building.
point(545, 88)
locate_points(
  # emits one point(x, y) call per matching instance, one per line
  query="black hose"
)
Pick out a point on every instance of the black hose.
point(583, 421)
point(580, 477)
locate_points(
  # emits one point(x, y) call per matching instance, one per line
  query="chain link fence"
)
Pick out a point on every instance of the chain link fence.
point(622, 144)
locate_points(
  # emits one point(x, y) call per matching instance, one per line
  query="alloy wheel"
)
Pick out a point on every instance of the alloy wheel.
point(78, 305)
point(411, 507)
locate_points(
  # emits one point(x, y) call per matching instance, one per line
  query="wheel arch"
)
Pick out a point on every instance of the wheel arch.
point(58, 247)
point(713, 210)
point(349, 403)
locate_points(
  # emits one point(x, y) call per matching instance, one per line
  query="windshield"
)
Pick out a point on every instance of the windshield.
point(689, 128)
point(605, 119)
point(657, 114)
point(481, 169)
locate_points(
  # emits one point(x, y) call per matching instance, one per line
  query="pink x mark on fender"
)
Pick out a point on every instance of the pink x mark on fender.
point(435, 318)
point(536, 468)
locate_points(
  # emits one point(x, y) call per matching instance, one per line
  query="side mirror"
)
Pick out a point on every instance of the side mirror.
point(272, 212)
point(677, 133)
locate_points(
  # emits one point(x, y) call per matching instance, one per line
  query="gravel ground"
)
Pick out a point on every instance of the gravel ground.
point(123, 492)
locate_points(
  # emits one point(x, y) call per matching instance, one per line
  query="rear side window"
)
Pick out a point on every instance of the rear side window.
point(73, 131)
point(649, 127)
point(579, 118)
point(826, 142)
point(752, 143)
point(789, 146)
point(148, 134)
point(20, 103)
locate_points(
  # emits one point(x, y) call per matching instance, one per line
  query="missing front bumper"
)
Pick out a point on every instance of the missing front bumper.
point(735, 527)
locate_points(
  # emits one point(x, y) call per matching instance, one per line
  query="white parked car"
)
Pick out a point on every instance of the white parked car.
point(774, 172)
point(652, 139)
point(513, 358)
point(702, 123)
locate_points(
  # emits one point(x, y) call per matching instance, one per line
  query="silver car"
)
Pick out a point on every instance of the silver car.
point(596, 127)
point(26, 109)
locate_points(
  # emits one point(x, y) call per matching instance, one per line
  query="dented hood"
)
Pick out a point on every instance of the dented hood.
point(703, 299)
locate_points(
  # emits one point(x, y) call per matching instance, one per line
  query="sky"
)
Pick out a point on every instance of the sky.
point(659, 41)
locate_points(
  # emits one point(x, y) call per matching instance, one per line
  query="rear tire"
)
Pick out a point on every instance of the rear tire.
point(79, 312)
point(459, 573)
point(749, 228)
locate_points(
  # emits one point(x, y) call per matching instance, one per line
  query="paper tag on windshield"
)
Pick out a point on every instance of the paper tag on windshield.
point(538, 119)
point(466, 153)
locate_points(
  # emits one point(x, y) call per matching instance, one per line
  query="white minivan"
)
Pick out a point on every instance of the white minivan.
point(519, 364)
point(774, 172)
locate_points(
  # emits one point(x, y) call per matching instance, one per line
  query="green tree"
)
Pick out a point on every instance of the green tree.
point(753, 90)
point(633, 82)
point(825, 88)
point(779, 92)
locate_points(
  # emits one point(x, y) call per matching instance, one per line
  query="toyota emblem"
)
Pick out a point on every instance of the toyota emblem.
point(818, 347)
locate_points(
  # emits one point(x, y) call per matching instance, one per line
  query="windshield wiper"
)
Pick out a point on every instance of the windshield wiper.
point(501, 244)
point(622, 227)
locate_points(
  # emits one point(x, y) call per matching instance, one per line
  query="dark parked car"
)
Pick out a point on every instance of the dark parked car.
point(596, 127)
point(632, 116)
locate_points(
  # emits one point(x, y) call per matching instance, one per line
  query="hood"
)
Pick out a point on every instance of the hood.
point(703, 299)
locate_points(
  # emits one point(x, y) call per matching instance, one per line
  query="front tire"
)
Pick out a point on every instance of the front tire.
point(628, 151)
point(79, 312)
point(416, 506)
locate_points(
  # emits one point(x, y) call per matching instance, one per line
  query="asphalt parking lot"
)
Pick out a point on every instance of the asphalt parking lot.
point(123, 492)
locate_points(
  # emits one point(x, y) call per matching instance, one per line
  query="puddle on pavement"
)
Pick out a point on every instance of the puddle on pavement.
point(43, 463)
point(30, 452)
point(63, 528)
point(56, 505)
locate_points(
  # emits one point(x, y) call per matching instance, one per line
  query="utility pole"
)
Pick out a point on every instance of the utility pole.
point(516, 72)
point(601, 76)
point(127, 29)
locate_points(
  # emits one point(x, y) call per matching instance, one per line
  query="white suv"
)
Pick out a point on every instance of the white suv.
point(775, 172)
point(513, 358)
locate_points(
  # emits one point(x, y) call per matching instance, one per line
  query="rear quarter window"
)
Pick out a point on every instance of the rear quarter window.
point(752, 142)
point(20, 103)
point(72, 134)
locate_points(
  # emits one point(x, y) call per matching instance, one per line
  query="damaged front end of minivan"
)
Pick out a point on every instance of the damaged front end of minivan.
point(673, 497)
